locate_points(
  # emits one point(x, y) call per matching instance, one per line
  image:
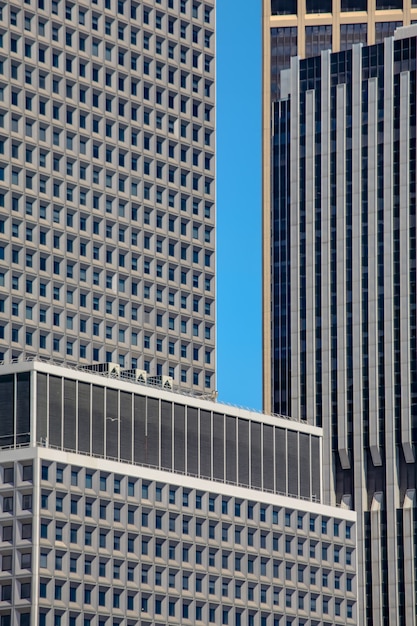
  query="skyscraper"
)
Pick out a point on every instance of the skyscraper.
point(344, 208)
point(304, 28)
point(126, 504)
point(107, 184)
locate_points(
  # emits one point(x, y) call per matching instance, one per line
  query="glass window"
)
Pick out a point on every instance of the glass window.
point(318, 38)
point(351, 34)
point(385, 29)
point(319, 6)
point(354, 5)
point(382, 5)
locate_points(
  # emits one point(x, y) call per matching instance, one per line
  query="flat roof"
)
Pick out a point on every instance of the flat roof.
point(153, 391)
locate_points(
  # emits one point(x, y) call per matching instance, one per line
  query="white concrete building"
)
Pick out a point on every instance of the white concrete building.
point(123, 503)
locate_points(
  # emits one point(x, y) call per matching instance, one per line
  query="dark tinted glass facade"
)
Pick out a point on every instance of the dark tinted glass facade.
point(281, 257)
point(345, 321)
point(283, 47)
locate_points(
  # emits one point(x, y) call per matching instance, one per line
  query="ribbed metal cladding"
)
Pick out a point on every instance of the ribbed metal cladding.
point(293, 470)
point(140, 455)
point(98, 420)
point(256, 455)
point(126, 426)
point(70, 424)
point(243, 452)
point(268, 458)
point(218, 446)
point(192, 441)
point(281, 462)
point(179, 438)
point(205, 444)
point(41, 406)
point(231, 474)
point(304, 462)
point(84, 420)
point(121, 424)
point(55, 410)
point(152, 432)
point(112, 423)
point(23, 407)
point(166, 434)
point(367, 235)
point(315, 467)
point(6, 410)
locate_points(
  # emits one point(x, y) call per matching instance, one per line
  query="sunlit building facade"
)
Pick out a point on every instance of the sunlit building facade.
point(107, 184)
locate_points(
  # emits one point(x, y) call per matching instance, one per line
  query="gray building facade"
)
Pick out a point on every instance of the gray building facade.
point(344, 189)
point(107, 184)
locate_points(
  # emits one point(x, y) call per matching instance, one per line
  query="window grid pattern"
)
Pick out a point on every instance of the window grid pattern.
point(16, 551)
point(107, 200)
point(113, 545)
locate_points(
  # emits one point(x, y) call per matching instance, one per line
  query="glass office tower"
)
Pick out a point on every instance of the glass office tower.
point(107, 184)
point(304, 28)
point(344, 207)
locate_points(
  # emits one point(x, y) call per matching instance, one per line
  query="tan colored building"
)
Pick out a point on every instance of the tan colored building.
point(305, 28)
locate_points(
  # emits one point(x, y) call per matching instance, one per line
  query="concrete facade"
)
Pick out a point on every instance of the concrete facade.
point(107, 184)
point(90, 540)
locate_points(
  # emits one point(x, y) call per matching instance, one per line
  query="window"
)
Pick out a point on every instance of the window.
point(27, 472)
point(8, 504)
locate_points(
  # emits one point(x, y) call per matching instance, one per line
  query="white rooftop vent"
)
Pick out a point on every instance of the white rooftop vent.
point(136, 375)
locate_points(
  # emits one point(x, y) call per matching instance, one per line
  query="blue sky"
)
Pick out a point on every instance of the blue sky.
point(239, 321)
